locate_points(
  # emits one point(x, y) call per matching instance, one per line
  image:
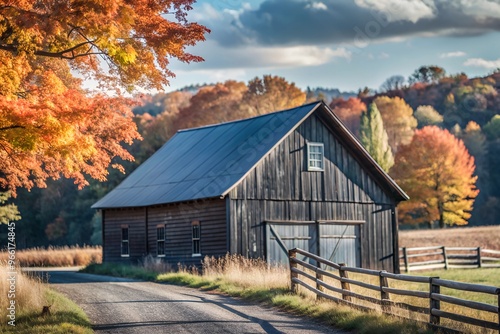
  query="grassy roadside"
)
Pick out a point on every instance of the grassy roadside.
point(31, 295)
point(253, 280)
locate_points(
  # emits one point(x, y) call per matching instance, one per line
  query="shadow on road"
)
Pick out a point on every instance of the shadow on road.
point(71, 276)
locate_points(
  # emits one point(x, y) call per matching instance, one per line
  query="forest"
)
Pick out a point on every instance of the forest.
point(437, 135)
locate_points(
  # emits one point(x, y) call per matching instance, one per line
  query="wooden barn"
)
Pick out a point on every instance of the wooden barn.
point(257, 187)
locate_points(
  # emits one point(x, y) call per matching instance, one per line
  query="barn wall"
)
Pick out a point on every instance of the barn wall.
point(178, 229)
point(112, 222)
point(281, 188)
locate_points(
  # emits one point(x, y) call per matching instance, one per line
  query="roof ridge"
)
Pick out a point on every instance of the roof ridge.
point(247, 119)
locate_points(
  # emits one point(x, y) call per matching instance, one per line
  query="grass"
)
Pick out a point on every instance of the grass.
point(254, 280)
point(30, 297)
point(56, 256)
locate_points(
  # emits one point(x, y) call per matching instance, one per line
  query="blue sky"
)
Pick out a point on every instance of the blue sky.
point(345, 44)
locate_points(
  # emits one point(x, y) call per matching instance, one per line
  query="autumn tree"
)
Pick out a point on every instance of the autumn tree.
point(213, 104)
point(427, 115)
point(398, 120)
point(374, 137)
point(437, 172)
point(49, 126)
point(349, 111)
point(271, 93)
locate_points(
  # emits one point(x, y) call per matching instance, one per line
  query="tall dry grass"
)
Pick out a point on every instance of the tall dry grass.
point(245, 272)
point(57, 256)
point(29, 292)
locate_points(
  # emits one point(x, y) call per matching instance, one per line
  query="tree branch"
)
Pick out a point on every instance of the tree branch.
point(12, 127)
point(61, 54)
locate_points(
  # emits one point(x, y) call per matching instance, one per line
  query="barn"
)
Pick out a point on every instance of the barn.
point(257, 187)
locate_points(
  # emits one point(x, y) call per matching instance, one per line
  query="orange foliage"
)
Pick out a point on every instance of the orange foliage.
point(349, 112)
point(436, 171)
point(135, 39)
point(49, 126)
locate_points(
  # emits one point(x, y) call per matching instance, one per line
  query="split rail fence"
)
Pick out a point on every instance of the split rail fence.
point(343, 284)
point(441, 257)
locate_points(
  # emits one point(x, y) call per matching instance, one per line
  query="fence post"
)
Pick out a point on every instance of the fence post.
point(384, 296)
point(292, 254)
point(479, 260)
point(445, 257)
point(345, 286)
point(434, 303)
point(319, 277)
point(498, 295)
point(405, 259)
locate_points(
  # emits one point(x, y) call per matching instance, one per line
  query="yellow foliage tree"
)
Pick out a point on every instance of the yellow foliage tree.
point(437, 172)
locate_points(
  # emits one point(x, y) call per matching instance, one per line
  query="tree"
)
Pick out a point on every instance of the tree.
point(374, 137)
point(8, 212)
point(212, 105)
point(437, 171)
point(49, 126)
point(427, 74)
point(271, 93)
point(349, 111)
point(398, 120)
point(492, 128)
point(427, 115)
point(394, 82)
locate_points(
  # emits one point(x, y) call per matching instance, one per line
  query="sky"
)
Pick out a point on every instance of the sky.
point(344, 44)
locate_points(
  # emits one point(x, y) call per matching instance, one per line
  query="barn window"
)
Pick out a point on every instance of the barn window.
point(315, 153)
point(196, 238)
point(160, 240)
point(125, 251)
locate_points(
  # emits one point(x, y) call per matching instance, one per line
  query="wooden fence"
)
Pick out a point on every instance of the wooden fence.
point(441, 257)
point(331, 281)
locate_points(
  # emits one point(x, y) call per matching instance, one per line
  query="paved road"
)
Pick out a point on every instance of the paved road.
point(125, 306)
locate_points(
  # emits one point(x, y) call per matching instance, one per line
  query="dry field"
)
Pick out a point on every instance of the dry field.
point(487, 237)
point(56, 256)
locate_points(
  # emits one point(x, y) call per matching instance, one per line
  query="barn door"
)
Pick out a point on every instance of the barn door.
point(337, 242)
point(282, 237)
point(340, 244)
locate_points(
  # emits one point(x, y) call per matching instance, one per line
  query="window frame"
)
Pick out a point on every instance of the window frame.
point(321, 160)
point(158, 240)
point(196, 238)
point(125, 241)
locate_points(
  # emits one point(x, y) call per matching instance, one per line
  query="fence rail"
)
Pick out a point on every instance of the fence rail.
point(313, 277)
point(441, 257)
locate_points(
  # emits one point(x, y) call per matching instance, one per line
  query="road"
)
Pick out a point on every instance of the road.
point(125, 306)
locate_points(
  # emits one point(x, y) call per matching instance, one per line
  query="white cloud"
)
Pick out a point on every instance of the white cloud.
point(482, 9)
point(317, 6)
point(453, 54)
point(479, 62)
point(401, 10)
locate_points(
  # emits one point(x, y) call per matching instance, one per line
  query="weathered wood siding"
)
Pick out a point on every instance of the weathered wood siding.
point(113, 219)
point(178, 230)
point(281, 188)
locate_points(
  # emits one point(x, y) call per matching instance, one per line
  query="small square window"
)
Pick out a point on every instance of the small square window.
point(315, 156)
point(196, 238)
point(160, 240)
point(125, 252)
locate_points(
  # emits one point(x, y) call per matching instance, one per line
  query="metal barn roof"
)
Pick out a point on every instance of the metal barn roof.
point(207, 162)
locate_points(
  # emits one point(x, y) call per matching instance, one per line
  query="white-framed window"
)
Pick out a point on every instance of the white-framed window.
point(315, 157)
point(125, 248)
point(196, 226)
point(160, 240)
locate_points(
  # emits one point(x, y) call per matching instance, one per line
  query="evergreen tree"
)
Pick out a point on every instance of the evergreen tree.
point(374, 137)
